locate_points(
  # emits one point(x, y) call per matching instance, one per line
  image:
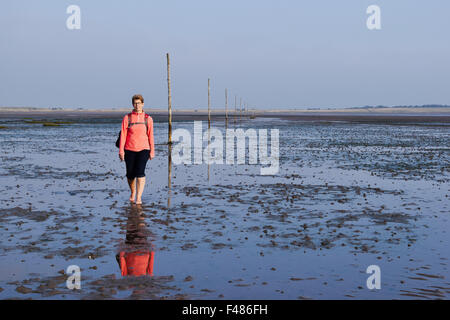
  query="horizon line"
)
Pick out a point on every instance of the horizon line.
point(230, 109)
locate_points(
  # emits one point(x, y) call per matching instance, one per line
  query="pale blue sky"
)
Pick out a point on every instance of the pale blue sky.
point(284, 53)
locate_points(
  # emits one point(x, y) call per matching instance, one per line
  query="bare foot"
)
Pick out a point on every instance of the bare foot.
point(132, 198)
point(138, 201)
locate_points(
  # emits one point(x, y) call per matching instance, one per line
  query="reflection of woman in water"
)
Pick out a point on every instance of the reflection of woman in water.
point(136, 258)
point(136, 146)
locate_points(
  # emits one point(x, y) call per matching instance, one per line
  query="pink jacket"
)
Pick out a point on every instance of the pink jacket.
point(135, 138)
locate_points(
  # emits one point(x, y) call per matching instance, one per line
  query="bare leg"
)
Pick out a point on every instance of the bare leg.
point(132, 184)
point(140, 189)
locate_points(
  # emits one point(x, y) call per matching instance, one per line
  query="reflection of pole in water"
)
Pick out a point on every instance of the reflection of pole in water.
point(169, 175)
point(209, 122)
point(209, 142)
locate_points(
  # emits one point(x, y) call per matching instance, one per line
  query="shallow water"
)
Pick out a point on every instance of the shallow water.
point(347, 196)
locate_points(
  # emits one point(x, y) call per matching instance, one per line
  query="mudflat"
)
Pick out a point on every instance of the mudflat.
point(348, 195)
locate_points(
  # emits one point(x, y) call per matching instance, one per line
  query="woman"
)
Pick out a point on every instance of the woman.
point(136, 146)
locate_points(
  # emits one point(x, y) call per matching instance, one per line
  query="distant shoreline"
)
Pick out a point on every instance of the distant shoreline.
point(218, 112)
point(375, 115)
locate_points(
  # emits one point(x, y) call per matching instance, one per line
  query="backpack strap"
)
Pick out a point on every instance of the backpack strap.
point(129, 120)
point(145, 122)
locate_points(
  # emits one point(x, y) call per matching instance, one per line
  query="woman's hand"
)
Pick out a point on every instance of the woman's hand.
point(121, 157)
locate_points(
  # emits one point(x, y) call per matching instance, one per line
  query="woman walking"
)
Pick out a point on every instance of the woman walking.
point(136, 146)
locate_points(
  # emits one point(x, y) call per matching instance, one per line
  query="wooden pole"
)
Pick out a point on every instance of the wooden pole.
point(169, 173)
point(240, 109)
point(170, 100)
point(235, 106)
point(209, 107)
point(226, 107)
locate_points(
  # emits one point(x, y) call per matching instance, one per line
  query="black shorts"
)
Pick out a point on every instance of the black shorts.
point(136, 162)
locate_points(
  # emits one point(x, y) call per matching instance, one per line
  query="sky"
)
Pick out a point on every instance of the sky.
point(271, 54)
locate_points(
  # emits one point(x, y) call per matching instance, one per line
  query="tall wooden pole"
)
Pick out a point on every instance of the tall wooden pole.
point(169, 173)
point(209, 107)
point(235, 106)
point(226, 107)
point(240, 109)
point(170, 99)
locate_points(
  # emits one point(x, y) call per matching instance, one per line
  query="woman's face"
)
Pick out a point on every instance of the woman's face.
point(138, 105)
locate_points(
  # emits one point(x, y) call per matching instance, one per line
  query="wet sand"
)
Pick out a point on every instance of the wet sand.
point(351, 192)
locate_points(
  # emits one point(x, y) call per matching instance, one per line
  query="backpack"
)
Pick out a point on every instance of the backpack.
point(132, 124)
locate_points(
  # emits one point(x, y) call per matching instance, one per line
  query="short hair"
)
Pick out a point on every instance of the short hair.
point(137, 97)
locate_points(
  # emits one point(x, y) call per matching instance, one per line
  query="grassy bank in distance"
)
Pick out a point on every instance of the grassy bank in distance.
point(251, 111)
point(48, 123)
